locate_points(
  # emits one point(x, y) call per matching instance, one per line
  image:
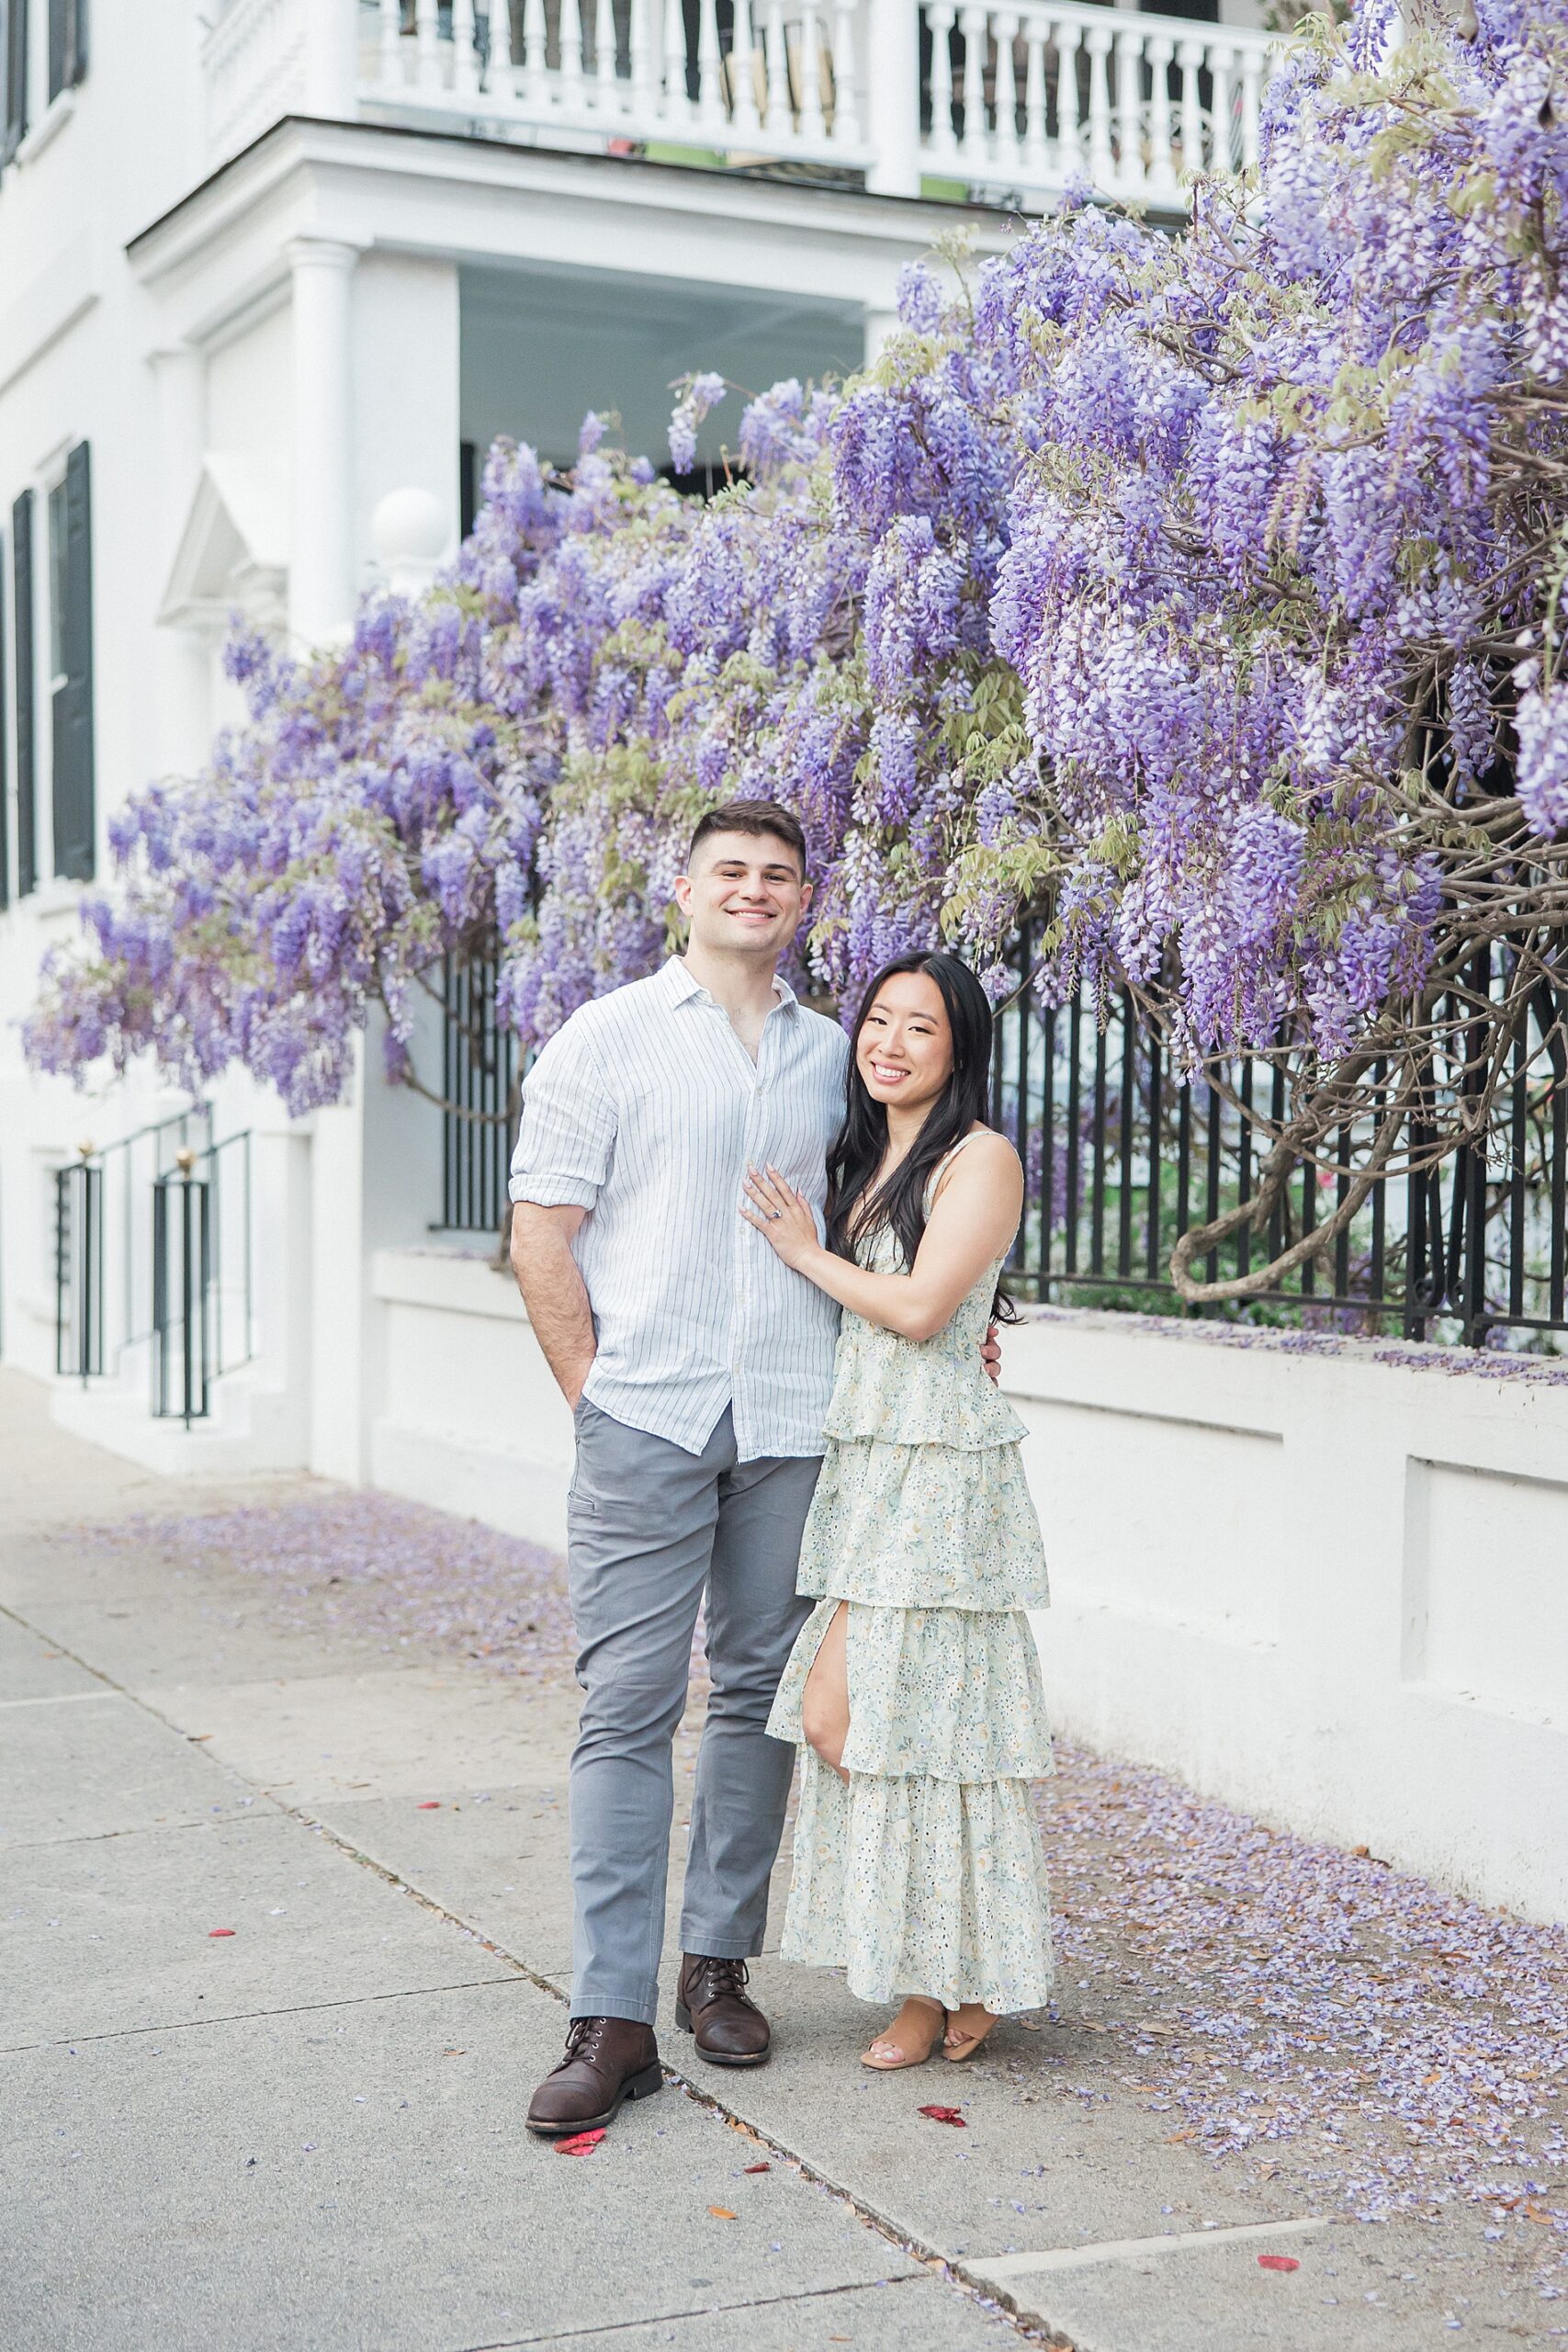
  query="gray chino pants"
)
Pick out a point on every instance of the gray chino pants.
point(649, 1528)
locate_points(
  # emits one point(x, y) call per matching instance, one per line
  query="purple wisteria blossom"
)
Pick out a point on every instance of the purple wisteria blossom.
point(1168, 590)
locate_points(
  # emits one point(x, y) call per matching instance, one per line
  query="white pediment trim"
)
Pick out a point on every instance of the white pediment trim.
point(233, 551)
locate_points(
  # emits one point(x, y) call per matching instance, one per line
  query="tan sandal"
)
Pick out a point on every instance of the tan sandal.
point(957, 2045)
point(894, 2060)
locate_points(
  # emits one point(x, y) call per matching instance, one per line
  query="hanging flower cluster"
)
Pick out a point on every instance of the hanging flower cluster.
point(1196, 596)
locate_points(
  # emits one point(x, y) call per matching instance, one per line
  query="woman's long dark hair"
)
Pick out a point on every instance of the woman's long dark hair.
point(854, 1212)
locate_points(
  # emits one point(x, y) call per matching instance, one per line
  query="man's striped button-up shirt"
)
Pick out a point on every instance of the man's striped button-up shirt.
point(646, 1110)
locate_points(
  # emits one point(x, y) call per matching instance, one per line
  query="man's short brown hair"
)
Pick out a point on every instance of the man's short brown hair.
point(753, 817)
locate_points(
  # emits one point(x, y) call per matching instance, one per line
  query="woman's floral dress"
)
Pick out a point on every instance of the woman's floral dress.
point(923, 1873)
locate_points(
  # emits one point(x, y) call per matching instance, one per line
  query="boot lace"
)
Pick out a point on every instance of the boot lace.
point(712, 1979)
point(583, 2037)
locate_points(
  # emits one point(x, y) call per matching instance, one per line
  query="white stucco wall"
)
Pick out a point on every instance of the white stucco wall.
point(1327, 1585)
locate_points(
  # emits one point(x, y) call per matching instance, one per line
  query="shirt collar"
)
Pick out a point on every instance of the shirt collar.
point(681, 988)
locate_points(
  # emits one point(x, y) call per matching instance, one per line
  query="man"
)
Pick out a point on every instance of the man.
point(698, 1369)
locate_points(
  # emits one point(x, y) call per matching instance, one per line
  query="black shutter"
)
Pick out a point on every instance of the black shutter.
point(26, 791)
point(67, 44)
point(15, 78)
point(467, 486)
point(75, 826)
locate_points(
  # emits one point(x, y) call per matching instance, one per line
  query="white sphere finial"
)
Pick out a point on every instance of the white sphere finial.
point(408, 532)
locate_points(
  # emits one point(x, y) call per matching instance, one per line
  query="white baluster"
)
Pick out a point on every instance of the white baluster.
point(1098, 42)
point(1190, 60)
point(1129, 132)
point(1162, 175)
point(498, 73)
point(743, 69)
point(944, 129)
point(1011, 73)
point(600, 23)
point(427, 45)
point(710, 109)
point(808, 75)
point(670, 60)
point(1035, 33)
point(1251, 76)
point(533, 76)
point(391, 73)
point(642, 102)
point(1220, 71)
point(1070, 112)
point(780, 117)
point(976, 139)
point(465, 56)
point(846, 76)
point(571, 57)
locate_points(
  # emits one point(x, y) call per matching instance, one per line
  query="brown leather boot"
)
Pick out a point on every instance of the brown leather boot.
point(607, 2060)
point(711, 2001)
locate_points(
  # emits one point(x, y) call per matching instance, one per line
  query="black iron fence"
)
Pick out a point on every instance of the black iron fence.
point(479, 1079)
point(1122, 1156)
point(182, 1283)
point(79, 1268)
point(154, 1260)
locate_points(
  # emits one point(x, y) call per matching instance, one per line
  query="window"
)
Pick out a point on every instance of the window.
point(71, 668)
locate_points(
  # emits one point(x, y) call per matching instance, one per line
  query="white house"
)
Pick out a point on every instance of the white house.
point(267, 272)
point(274, 275)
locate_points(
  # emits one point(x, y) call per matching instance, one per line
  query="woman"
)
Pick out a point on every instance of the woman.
point(915, 1686)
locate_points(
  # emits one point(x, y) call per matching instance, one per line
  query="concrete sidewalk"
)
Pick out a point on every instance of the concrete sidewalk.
point(285, 1937)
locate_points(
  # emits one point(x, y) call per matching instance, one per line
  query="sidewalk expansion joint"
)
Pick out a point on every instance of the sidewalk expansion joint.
point(998, 2268)
point(246, 2016)
point(60, 1698)
point(699, 2311)
point(159, 1828)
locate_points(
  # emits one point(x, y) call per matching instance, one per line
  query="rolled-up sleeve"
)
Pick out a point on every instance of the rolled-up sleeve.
point(567, 1134)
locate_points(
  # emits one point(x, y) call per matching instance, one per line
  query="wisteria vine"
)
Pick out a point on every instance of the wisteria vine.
point(1195, 597)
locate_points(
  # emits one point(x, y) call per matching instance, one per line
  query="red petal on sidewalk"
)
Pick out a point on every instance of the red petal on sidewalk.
point(430, 1804)
point(756, 2167)
point(1278, 2262)
point(221, 1932)
point(945, 2115)
point(581, 2144)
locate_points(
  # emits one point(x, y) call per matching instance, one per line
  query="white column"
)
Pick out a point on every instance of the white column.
point(321, 607)
point(893, 97)
point(407, 303)
point(331, 64)
point(182, 657)
point(320, 554)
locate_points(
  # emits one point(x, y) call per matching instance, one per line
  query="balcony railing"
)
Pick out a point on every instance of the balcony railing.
point(1007, 102)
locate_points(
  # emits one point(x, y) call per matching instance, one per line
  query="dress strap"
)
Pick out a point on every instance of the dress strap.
point(945, 1162)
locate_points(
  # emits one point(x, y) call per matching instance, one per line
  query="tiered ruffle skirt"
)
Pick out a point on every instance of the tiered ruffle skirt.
point(924, 1872)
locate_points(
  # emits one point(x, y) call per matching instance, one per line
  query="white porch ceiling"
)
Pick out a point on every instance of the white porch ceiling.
point(541, 346)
